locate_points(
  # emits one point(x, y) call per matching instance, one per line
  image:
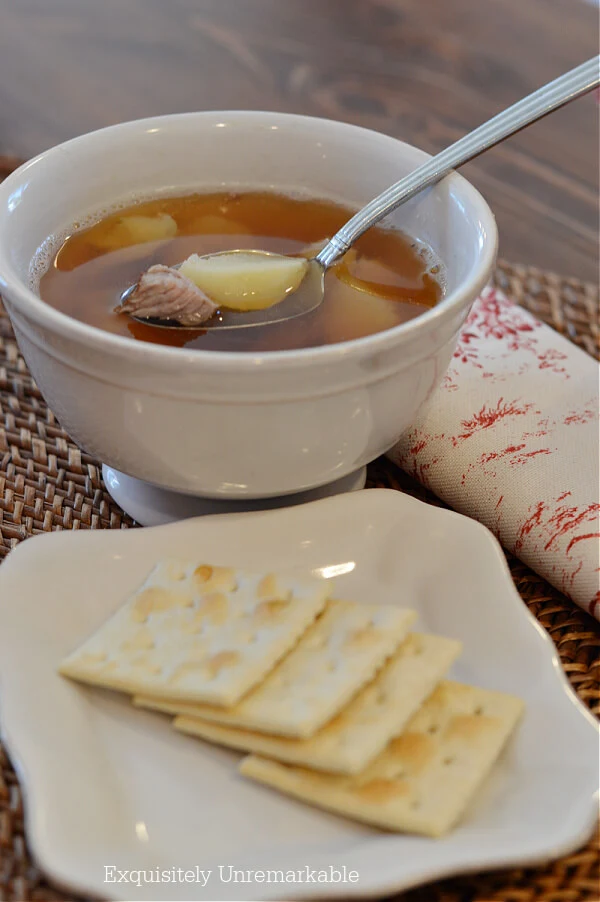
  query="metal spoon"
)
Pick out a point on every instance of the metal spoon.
point(309, 295)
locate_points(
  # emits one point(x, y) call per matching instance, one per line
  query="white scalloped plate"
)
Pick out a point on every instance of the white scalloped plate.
point(107, 785)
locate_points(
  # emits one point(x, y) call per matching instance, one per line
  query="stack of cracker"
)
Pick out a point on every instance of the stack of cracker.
point(337, 702)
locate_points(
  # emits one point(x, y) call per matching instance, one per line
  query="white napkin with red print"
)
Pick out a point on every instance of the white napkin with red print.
point(511, 439)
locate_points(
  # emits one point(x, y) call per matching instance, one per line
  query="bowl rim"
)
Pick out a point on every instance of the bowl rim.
point(28, 303)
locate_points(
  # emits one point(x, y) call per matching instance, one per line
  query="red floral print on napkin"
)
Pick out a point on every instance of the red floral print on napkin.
point(511, 439)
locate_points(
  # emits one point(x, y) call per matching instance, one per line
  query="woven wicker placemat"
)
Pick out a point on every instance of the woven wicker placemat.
point(47, 483)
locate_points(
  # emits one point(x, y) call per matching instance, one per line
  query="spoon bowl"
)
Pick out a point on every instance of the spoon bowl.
point(306, 298)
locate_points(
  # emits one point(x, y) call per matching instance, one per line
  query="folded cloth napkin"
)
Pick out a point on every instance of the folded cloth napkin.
point(511, 439)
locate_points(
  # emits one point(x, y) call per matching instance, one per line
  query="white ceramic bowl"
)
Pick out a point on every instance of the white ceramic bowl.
point(230, 425)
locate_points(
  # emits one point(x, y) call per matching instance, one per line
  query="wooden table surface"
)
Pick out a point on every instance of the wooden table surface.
point(423, 70)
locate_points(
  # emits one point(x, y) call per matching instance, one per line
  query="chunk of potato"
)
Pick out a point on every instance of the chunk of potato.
point(349, 313)
point(135, 229)
point(213, 224)
point(245, 280)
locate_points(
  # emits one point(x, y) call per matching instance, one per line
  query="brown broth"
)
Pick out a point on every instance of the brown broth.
point(385, 280)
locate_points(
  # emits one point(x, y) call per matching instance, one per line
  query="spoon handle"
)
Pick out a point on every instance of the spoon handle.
point(543, 101)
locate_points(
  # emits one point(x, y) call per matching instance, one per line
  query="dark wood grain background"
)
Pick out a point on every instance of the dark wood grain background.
point(424, 70)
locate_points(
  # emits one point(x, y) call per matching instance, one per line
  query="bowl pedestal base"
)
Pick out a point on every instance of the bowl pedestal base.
point(151, 505)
